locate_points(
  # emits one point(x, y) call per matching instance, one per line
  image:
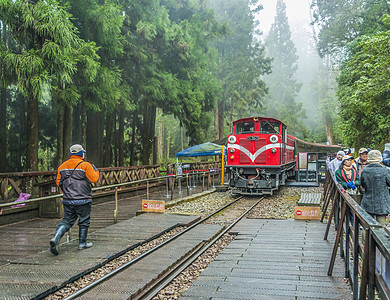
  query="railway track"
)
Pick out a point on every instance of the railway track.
point(197, 238)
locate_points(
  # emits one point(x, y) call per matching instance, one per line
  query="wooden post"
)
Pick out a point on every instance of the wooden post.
point(365, 268)
point(203, 182)
point(116, 206)
point(147, 189)
point(331, 195)
point(371, 267)
point(337, 240)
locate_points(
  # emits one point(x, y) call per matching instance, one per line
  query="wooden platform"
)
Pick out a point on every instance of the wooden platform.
point(273, 259)
point(310, 199)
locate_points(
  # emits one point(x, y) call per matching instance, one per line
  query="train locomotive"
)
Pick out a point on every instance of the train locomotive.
point(261, 155)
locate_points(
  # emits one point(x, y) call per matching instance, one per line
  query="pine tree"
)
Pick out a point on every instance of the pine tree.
point(283, 87)
point(46, 56)
point(241, 62)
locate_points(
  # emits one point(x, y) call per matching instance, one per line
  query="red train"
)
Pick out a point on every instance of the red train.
point(261, 155)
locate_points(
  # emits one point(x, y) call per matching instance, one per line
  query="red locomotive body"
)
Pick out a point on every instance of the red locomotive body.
point(261, 155)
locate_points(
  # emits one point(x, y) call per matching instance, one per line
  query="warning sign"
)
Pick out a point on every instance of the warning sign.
point(307, 212)
point(153, 205)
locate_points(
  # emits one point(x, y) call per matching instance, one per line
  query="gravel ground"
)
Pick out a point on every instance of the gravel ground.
point(280, 205)
point(202, 206)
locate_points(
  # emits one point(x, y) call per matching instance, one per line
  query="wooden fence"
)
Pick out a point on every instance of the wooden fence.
point(41, 183)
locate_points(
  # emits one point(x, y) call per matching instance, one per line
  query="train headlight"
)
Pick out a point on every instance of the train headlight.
point(232, 139)
point(232, 157)
point(231, 150)
point(240, 170)
point(273, 150)
point(273, 138)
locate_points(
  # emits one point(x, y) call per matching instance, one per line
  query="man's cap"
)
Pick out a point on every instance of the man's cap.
point(345, 157)
point(363, 150)
point(374, 156)
point(76, 148)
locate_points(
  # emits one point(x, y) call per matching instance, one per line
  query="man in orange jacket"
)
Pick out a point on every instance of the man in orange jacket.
point(74, 177)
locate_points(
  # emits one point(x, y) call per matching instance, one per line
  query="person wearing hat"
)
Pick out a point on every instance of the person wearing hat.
point(74, 177)
point(347, 176)
point(376, 180)
point(362, 161)
point(335, 163)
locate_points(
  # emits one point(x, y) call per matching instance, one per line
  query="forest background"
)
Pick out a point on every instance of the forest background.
point(136, 81)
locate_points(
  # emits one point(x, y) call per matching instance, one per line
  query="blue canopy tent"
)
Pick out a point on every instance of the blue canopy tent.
point(205, 149)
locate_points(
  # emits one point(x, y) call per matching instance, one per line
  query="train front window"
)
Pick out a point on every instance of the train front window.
point(245, 127)
point(269, 127)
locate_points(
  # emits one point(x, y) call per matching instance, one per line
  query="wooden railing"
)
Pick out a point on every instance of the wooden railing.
point(199, 166)
point(361, 241)
point(36, 183)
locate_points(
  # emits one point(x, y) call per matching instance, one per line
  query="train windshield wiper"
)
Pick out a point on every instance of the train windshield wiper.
point(277, 131)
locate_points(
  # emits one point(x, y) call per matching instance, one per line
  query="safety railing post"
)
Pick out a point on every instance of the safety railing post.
point(172, 187)
point(203, 182)
point(167, 185)
point(371, 267)
point(147, 190)
point(188, 188)
point(116, 206)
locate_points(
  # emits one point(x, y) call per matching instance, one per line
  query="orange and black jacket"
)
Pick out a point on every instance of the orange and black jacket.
point(74, 177)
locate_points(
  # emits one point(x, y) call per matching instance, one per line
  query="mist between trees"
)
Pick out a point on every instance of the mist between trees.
point(129, 79)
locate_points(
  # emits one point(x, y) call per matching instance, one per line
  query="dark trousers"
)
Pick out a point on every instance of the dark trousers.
point(72, 212)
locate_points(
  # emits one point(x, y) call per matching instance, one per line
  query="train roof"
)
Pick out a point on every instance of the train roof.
point(316, 145)
point(259, 118)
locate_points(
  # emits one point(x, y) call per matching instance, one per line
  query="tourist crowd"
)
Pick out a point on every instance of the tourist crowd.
point(367, 177)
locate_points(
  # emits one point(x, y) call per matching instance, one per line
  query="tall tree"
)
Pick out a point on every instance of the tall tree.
point(364, 91)
point(241, 62)
point(339, 22)
point(282, 82)
point(46, 56)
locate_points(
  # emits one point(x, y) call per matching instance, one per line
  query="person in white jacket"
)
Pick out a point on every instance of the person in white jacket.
point(335, 163)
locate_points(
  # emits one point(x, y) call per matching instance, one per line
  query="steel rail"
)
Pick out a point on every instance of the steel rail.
point(174, 272)
point(143, 255)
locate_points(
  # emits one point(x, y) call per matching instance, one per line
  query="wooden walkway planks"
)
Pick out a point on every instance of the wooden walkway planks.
point(273, 259)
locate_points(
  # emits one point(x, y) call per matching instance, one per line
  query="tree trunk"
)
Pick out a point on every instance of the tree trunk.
point(3, 130)
point(147, 136)
point(121, 137)
point(32, 134)
point(221, 122)
point(328, 130)
point(132, 146)
point(21, 113)
point(76, 134)
point(160, 141)
point(84, 119)
point(107, 159)
point(216, 123)
point(68, 126)
point(60, 136)
point(93, 138)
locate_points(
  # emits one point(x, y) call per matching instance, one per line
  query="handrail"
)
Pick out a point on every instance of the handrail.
point(366, 252)
point(103, 188)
